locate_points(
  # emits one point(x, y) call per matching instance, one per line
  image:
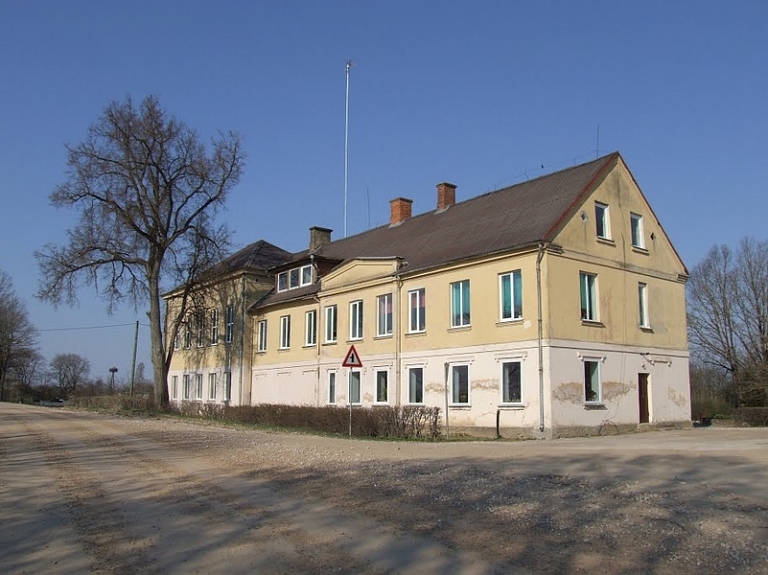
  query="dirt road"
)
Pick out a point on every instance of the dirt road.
point(83, 492)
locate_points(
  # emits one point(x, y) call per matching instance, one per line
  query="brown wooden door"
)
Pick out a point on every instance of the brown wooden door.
point(642, 386)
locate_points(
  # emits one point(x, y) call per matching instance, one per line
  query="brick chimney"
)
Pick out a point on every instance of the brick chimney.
point(446, 196)
point(318, 236)
point(400, 210)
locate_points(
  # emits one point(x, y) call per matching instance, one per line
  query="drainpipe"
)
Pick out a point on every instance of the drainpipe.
point(398, 341)
point(242, 340)
point(539, 257)
point(318, 383)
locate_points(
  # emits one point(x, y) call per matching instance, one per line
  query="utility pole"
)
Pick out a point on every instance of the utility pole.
point(133, 363)
point(346, 145)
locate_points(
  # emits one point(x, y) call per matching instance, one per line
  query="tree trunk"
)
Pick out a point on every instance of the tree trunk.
point(159, 369)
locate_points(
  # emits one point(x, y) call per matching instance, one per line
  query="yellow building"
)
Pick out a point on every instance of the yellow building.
point(549, 308)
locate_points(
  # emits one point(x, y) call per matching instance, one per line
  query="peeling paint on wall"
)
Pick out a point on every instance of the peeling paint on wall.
point(676, 397)
point(485, 384)
point(616, 390)
point(569, 392)
point(434, 388)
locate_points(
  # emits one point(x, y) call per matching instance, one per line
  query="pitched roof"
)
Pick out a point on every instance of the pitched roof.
point(258, 256)
point(509, 218)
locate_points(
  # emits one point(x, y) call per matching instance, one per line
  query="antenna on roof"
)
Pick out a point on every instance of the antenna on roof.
point(346, 144)
point(597, 142)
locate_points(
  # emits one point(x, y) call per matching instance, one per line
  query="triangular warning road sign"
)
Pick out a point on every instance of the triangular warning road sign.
point(352, 359)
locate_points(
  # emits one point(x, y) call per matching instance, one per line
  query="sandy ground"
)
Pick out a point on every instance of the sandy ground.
point(84, 492)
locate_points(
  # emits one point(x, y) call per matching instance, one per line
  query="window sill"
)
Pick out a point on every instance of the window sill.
point(283, 349)
point(646, 328)
point(606, 241)
point(330, 343)
point(514, 321)
point(639, 250)
point(383, 336)
point(592, 323)
point(594, 406)
point(416, 333)
point(511, 406)
point(460, 406)
point(261, 351)
point(356, 340)
point(460, 327)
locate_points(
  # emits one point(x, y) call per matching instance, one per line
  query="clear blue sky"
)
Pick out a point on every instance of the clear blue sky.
point(481, 94)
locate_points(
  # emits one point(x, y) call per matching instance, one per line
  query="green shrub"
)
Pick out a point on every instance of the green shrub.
point(145, 404)
point(752, 416)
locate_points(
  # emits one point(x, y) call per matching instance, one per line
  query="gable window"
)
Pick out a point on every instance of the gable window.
point(282, 281)
point(229, 328)
point(460, 304)
point(416, 385)
point(214, 326)
point(356, 320)
point(331, 387)
point(636, 226)
point(354, 387)
point(330, 323)
point(460, 384)
point(642, 301)
point(592, 387)
point(175, 387)
point(602, 221)
point(185, 387)
point(384, 315)
point(227, 386)
point(511, 295)
point(262, 339)
point(310, 328)
point(418, 310)
point(199, 386)
point(588, 287)
point(511, 383)
point(285, 332)
point(212, 386)
point(382, 395)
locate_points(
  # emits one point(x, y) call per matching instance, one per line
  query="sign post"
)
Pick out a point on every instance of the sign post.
point(352, 359)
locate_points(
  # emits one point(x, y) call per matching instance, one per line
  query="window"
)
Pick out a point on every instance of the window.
point(227, 386)
point(602, 222)
point(199, 386)
point(187, 335)
point(310, 328)
point(212, 386)
point(200, 328)
point(460, 304)
point(356, 320)
point(636, 225)
point(330, 324)
point(331, 387)
point(511, 295)
point(592, 381)
point(588, 296)
point(416, 385)
point(261, 342)
point(285, 332)
point(229, 332)
point(282, 281)
point(418, 310)
point(460, 384)
point(214, 326)
point(176, 341)
point(175, 387)
point(384, 315)
point(186, 391)
point(382, 395)
point(511, 384)
point(642, 300)
point(293, 278)
point(354, 387)
point(306, 275)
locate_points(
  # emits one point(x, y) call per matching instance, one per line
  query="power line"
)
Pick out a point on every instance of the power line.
point(92, 327)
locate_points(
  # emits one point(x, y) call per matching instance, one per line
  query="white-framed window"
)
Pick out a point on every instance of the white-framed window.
point(602, 221)
point(306, 275)
point(212, 386)
point(384, 315)
point(186, 391)
point(593, 392)
point(636, 227)
point(354, 386)
point(176, 342)
point(175, 387)
point(310, 328)
point(331, 387)
point(588, 289)
point(356, 320)
point(199, 386)
point(294, 278)
point(229, 320)
point(282, 281)
point(415, 385)
point(460, 384)
point(331, 315)
point(200, 328)
point(511, 295)
point(227, 386)
point(261, 342)
point(460, 315)
point(417, 305)
point(285, 332)
point(187, 334)
point(214, 326)
point(382, 387)
point(642, 304)
point(511, 382)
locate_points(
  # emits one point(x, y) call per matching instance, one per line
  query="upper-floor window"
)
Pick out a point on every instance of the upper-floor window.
point(285, 332)
point(356, 320)
point(261, 344)
point(460, 304)
point(511, 296)
point(384, 315)
point(214, 326)
point(588, 288)
point(602, 221)
point(642, 297)
point(200, 328)
point(418, 310)
point(636, 227)
point(310, 328)
point(330, 323)
point(187, 334)
point(229, 321)
point(294, 278)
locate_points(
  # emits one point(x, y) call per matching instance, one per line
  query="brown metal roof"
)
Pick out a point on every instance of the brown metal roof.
point(258, 256)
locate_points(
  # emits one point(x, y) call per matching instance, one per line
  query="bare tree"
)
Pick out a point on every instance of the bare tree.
point(18, 337)
point(148, 193)
point(69, 370)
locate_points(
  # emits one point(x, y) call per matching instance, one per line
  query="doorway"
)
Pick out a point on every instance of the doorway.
point(642, 387)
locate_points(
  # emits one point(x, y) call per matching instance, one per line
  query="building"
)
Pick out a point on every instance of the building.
point(212, 355)
point(553, 307)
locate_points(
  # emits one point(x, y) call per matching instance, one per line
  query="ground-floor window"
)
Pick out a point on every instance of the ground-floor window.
point(460, 384)
point(416, 385)
point(212, 386)
point(511, 382)
point(175, 387)
point(382, 395)
point(199, 386)
point(227, 386)
point(186, 391)
point(331, 387)
point(592, 391)
point(354, 387)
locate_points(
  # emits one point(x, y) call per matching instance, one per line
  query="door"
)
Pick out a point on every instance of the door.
point(642, 387)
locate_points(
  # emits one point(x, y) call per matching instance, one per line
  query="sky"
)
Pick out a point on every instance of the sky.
point(479, 94)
